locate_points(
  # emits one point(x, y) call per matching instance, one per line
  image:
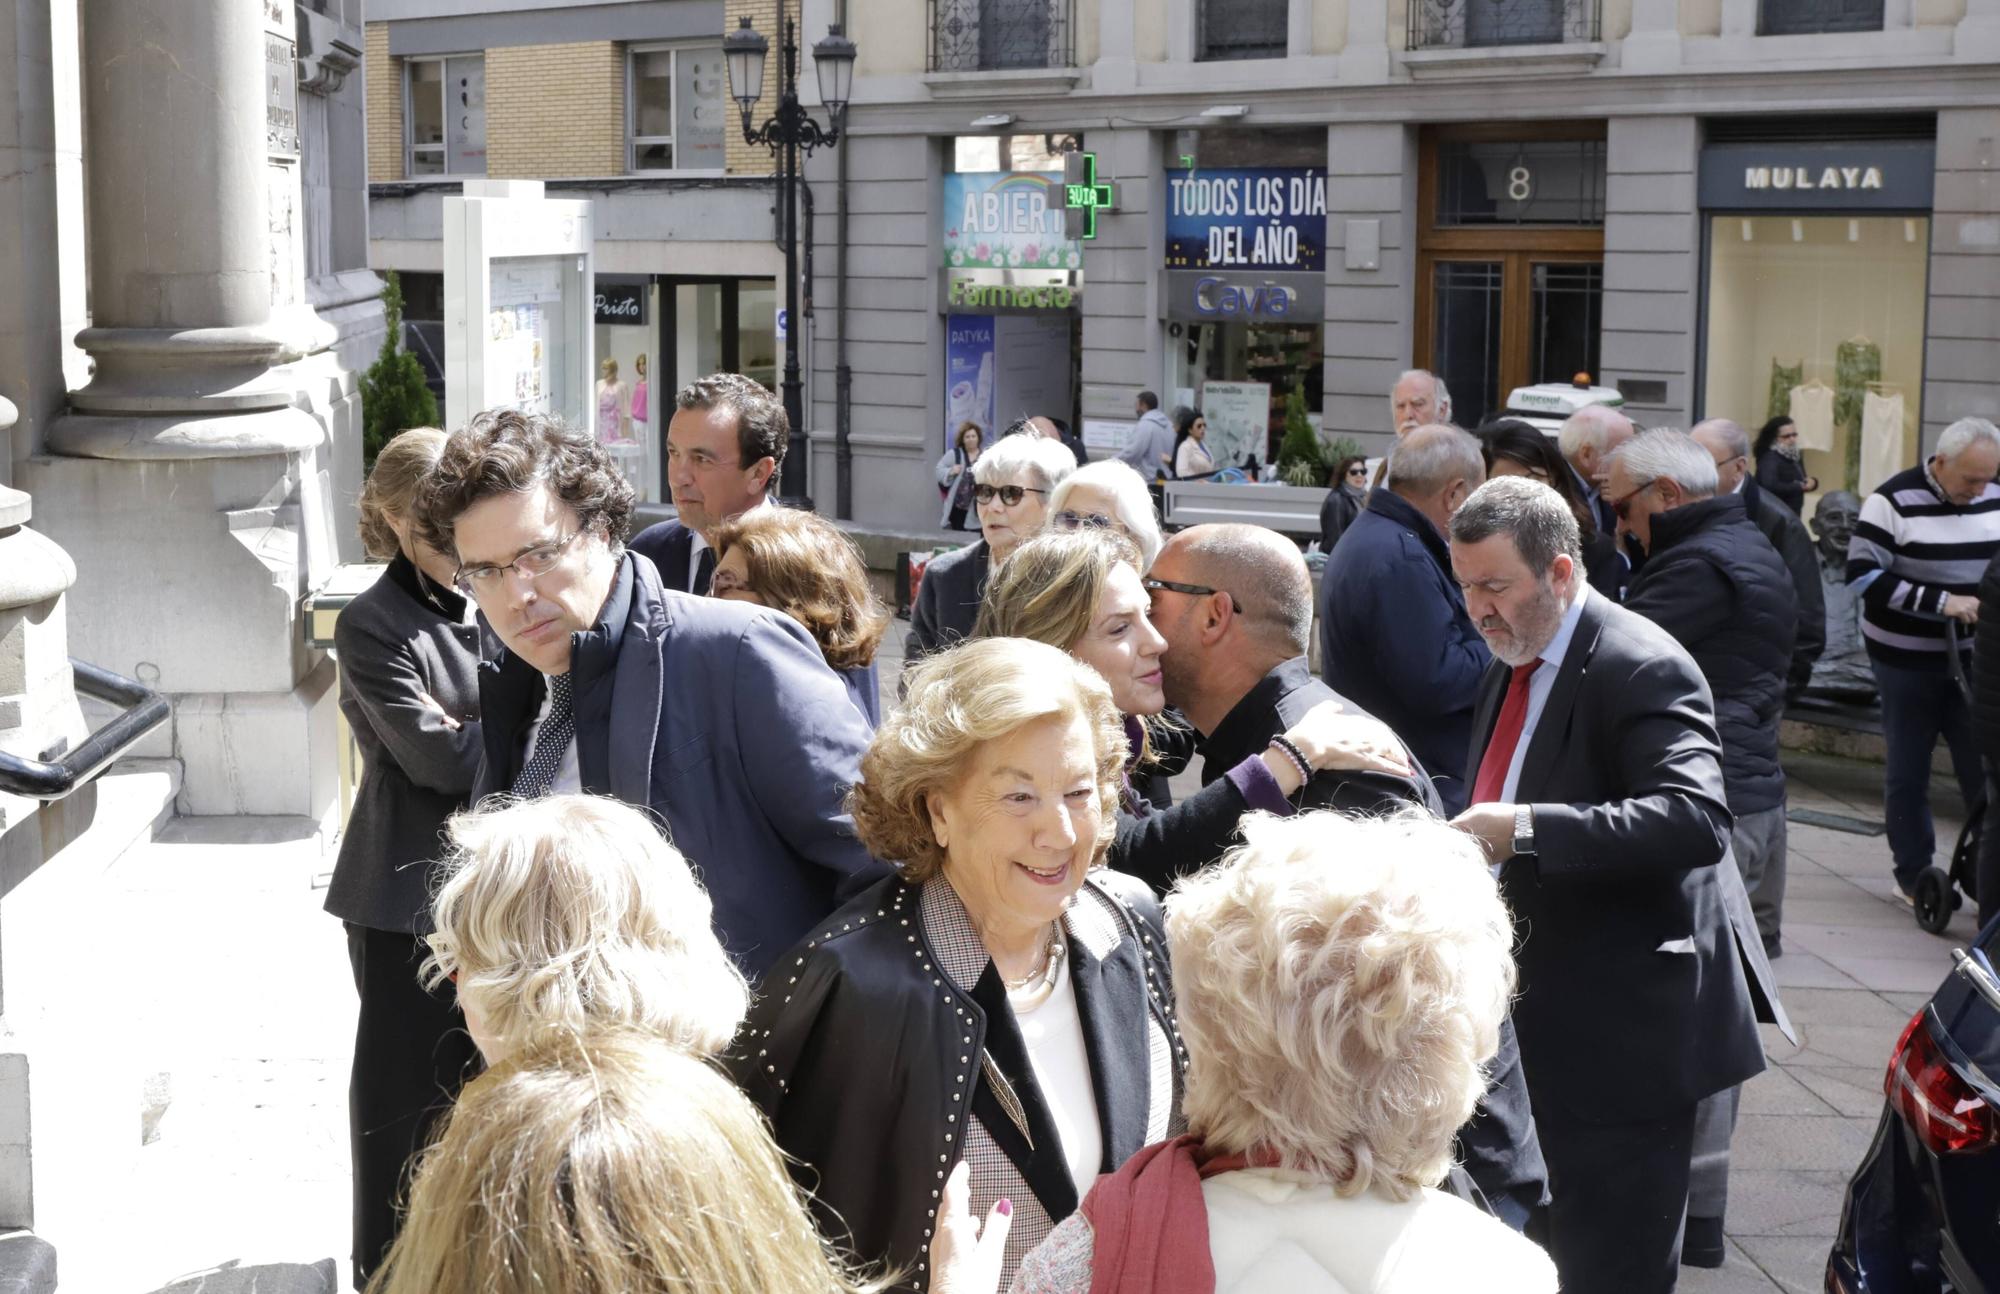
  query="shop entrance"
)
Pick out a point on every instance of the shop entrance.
point(1510, 259)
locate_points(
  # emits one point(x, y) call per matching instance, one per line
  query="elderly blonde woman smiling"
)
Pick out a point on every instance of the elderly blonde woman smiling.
point(1004, 1001)
point(1341, 985)
point(572, 912)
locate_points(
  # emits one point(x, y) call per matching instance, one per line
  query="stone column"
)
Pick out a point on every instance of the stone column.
point(190, 476)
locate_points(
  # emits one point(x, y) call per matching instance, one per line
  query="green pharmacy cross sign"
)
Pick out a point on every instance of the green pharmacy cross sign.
point(1083, 196)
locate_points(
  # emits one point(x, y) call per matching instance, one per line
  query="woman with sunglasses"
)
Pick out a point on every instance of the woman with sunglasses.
point(1780, 466)
point(1012, 483)
point(1347, 491)
point(1191, 457)
point(1108, 495)
point(1515, 448)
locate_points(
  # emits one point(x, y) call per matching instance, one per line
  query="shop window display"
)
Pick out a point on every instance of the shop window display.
point(1821, 319)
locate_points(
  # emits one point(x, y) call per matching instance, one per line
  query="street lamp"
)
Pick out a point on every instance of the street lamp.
point(789, 133)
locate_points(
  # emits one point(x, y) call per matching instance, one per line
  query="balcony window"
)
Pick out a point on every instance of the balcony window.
point(444, 115)
point(1232, 29)
point(1488, 24)
point(996, 35)
point(1803, 17)
point(677, 107)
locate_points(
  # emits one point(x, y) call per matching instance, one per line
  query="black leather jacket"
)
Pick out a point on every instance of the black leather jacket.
point(870, 1042)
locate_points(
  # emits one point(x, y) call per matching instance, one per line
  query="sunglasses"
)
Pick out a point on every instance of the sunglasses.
point(1007, 494)
point(1067, 520)
point(1358, 470)
point(1622, 508)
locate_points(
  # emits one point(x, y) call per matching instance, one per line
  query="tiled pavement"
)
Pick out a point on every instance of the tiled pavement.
point(245, 1001)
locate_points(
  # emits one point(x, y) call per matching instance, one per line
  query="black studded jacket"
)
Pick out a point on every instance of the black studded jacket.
point(883, 1049)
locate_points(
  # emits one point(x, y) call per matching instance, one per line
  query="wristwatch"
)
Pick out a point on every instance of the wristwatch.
point(1524, 829)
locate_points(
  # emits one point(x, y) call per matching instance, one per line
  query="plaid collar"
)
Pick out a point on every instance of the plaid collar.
point(948, 927)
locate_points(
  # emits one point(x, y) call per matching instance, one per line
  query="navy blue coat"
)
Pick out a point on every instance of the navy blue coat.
point(1394, 636)
point(723, 719)
point(669, 545)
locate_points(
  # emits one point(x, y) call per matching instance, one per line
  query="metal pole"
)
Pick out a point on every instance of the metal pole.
point(792, 483)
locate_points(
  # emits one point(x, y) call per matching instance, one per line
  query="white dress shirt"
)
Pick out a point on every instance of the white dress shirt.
point(701, 543)
point(1541, 683)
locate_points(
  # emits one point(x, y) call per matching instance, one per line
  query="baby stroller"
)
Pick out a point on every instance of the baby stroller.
point(1938, 890)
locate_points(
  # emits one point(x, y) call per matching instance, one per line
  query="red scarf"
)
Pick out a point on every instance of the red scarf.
point(1149, 1223)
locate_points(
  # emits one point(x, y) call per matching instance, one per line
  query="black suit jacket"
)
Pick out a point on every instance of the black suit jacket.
point(947, 601)
point(1633, 1001)
point(670, 545)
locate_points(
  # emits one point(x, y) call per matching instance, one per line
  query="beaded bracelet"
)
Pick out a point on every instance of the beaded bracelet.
point(1293, 753)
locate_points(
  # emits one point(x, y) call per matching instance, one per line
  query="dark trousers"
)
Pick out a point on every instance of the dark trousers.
point(1617, 1194)
point(411, 1055)
point(955, 521)
point(1918, 706)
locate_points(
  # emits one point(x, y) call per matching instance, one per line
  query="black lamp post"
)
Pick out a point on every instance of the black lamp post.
point(790, 133)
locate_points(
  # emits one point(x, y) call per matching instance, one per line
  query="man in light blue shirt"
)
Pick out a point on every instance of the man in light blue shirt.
point(1149, 450)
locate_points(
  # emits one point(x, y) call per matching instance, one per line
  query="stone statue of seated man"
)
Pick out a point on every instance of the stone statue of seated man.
point(1842, 672)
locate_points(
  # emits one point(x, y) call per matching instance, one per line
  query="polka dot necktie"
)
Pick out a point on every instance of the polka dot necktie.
point(551, 742)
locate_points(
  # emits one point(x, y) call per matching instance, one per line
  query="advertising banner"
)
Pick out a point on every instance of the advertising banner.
point(968, 375)
point(1006, 220)
point(1239, 420)
point(1265, 218)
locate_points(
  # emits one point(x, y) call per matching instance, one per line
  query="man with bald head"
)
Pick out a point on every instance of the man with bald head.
point(1394, 635)
point(1587, 440)
point(1728, 444)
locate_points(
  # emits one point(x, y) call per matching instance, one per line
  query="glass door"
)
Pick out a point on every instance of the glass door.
point(1468, 317)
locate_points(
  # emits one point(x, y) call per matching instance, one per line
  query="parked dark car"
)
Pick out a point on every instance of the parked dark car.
point(1923, 1210)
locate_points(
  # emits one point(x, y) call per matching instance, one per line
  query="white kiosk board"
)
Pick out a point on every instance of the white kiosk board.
point(518, 293)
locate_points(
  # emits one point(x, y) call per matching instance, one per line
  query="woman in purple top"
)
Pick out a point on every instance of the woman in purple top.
point(1079, 590)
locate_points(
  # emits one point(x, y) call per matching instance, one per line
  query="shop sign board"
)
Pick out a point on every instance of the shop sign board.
point(1198, 296)
point(1882, 175)
point(1239, 420)
point(1006, 220)
point(968, 375)
point(621, 303)
point(1247, 218)
point(281, 97)
point(987, 291)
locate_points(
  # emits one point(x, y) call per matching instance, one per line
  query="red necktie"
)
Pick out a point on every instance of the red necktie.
point(1492, 779)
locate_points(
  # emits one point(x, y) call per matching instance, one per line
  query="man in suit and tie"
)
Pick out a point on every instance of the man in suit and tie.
point(724, 444)
point(1598, 791)
point(746, 764)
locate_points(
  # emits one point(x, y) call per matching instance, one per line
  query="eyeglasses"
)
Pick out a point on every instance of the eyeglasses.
point(1358, 470)
point(1067, 520)
point(1192, 590)
point(1622, 508)
point(540, 560)
point(1008, 494)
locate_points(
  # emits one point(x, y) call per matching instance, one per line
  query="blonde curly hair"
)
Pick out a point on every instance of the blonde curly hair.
point(571, 912)
point(1341, 983)
point(958, 700)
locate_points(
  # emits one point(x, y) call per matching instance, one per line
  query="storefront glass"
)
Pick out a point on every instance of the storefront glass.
point(1821, 318)
point(626, 411)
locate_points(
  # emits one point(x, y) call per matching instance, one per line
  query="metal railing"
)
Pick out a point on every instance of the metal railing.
point(1485, 24)
point(993, 35)
point(52, 779)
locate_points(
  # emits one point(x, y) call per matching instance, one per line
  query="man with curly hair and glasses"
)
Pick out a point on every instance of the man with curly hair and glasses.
point(745, 758)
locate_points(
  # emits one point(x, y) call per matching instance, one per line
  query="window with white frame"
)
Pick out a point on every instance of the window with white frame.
point(444, 115)
point(677, 107)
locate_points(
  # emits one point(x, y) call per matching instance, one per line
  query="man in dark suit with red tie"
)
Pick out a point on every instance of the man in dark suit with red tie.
point(724, 445)
point(1598, 791)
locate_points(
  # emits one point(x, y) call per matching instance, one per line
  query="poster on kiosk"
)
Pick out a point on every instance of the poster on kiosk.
point(518, 285)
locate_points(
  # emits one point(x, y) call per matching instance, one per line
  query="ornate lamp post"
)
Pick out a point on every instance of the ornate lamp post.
point(790, 133)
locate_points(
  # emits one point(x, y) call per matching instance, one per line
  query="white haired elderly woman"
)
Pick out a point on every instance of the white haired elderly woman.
point(571, 912)
point(1003, 1000)
point(1341, 983)
point(1013, 481)
point(1108, 495)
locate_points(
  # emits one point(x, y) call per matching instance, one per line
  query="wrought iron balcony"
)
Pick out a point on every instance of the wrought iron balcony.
point(1478, 24)
point(992, 35)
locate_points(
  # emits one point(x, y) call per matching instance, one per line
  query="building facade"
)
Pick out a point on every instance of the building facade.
point(625, 105)
point(1720, 207)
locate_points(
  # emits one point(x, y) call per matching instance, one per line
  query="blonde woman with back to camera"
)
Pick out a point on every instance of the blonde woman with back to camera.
point(613, 1163)
point(571, 913)
point(1340, 984)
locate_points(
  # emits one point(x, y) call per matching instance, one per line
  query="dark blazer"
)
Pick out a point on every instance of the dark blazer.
point(1394, 636)
point(947, 601)
point(722, 718)
point(670, 547)
point(1783, 478)
point(1787, 534)
point(403, 638)
point(871, 1040)
point(1713, 582)
point(1337, 512)
point(1633, 1002)
point(866, 693)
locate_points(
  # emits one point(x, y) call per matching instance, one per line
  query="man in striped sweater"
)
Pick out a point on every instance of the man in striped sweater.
point(1925, 537)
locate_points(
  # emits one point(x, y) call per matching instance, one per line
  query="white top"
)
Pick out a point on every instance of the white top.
point(1193, 459)
point(701, 543)
point(1053, 1033)
point(1541, 683)
point(569, 774)
point(1269, 1229)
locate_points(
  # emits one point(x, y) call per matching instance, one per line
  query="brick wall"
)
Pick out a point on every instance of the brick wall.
point(555, 110)
point(385, 106)
point(755, 159)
